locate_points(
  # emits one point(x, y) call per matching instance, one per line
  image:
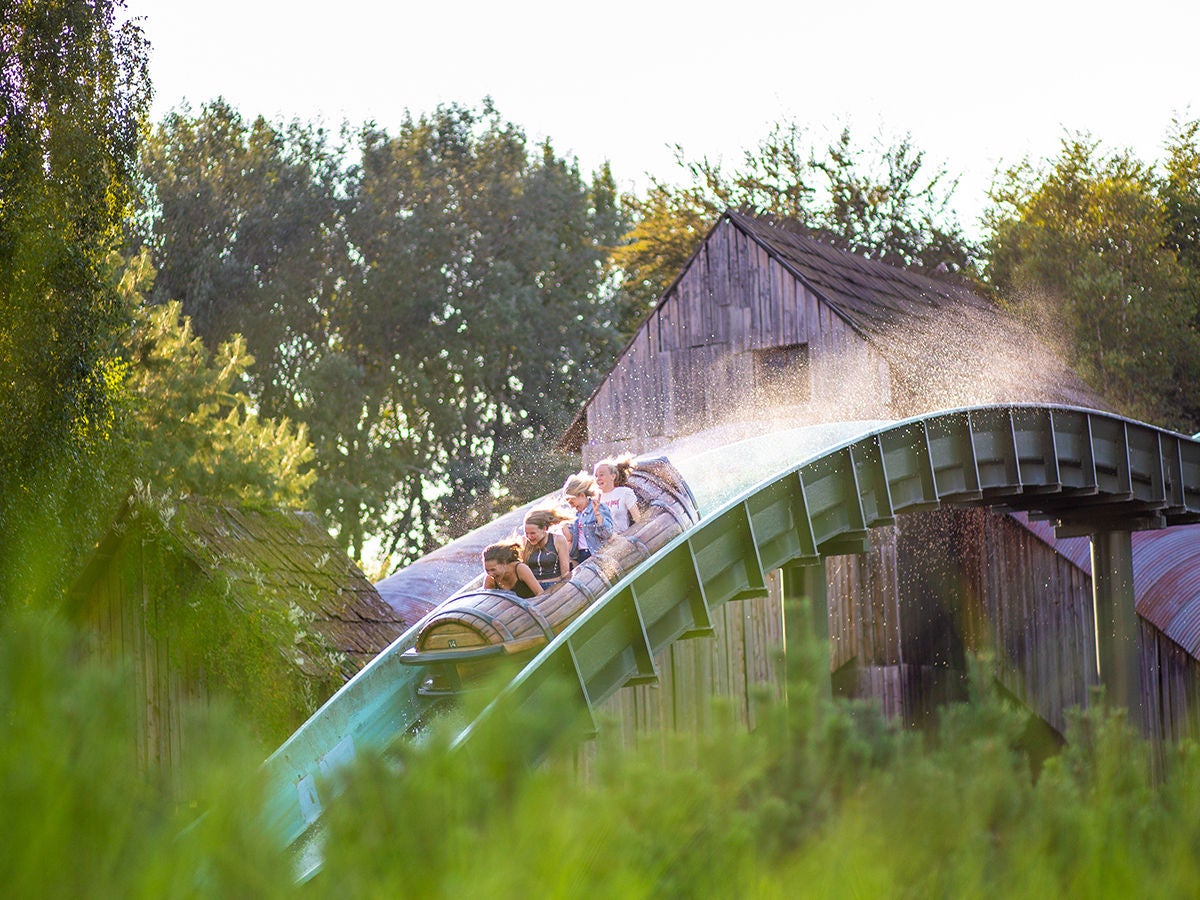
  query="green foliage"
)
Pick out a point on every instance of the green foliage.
point(190, 426)
point(73, 91)
point(430, 313)
point(244, 222)
point(823, 799)
point(83, 818)
point(1100, 252)
point(476, 313)
point(883, 203)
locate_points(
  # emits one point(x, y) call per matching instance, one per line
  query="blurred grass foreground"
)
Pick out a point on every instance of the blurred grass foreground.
point(823, 799)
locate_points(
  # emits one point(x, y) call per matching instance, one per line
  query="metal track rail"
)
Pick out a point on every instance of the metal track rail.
point(1092, 472)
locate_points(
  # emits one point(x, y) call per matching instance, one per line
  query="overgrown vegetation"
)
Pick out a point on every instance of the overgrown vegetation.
point(392, 327)
point(824, 799)
point(74, 91)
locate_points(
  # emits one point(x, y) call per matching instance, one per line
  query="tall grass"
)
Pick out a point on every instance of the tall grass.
point(79, 818)
point(825, 798)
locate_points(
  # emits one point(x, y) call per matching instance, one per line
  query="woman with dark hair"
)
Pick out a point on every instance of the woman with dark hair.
point(506, 572)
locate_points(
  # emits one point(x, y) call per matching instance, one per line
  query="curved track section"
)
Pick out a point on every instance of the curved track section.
point(1090, 471)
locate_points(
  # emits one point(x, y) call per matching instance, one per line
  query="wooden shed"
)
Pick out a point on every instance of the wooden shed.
point(768, 328)
point(191, 594)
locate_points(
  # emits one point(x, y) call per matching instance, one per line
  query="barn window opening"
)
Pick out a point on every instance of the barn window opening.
point(781, 375)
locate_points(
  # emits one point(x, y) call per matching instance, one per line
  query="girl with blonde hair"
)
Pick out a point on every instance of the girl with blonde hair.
point(611, 476)
point(593, 524)
point(546, 549)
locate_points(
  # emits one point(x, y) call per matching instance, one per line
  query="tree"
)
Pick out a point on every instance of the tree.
point(186, 424)
point(477, 321)
point(430, 313)
point(1095, 248)
point(73, 94)
point(885, 204)
point(244, 223)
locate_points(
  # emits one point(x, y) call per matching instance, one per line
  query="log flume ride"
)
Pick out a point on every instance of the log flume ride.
point(478, 626)
point(785, 498)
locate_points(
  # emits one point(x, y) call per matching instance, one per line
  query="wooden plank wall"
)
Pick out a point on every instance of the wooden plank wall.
point(1039, 607)
point(1170, 687)
point(123, 621)
point(864, 608)
point(691, 364)
point(939, 585)
point(742, 659)
point(975, 580)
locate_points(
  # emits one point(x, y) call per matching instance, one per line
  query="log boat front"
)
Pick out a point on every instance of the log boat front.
point(479, 624)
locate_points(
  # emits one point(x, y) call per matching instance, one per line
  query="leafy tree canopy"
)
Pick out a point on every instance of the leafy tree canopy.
point(882, 202)
point(73, 93)
point(477, 311)
point(244, 222)
point(189, 425)
point(1100, 250)
point(430, 312)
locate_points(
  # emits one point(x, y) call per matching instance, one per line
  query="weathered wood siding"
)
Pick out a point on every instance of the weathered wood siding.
point(122, 620)
point(742, 659)
point(974, 580)
point(1170, 687)
point(691, 365)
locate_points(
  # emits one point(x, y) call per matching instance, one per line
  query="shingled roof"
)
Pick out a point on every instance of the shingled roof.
point(284, 555)
point(928, 329)
point(946, 345)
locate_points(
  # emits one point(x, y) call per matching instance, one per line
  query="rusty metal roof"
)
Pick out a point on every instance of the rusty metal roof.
point(1166, 582)
point(1166, 575)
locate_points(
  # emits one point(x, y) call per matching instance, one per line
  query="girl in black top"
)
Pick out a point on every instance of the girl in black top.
point(547, 550)
point(506, 572)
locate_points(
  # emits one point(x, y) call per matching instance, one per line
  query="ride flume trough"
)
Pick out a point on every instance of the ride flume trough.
point(788, 498)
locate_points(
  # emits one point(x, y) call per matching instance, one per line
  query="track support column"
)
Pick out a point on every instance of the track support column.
point(806, 620)
point(1116, 619)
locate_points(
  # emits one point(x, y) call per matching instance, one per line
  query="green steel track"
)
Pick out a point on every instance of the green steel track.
point(789, 499)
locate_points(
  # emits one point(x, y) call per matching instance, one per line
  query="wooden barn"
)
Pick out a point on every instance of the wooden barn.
point(766, 328)
point(191, 594)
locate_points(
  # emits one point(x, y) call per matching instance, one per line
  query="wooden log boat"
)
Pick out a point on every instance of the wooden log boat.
point(479, 625)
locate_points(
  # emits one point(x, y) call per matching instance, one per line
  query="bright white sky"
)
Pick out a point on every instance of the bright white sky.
point(977, 85)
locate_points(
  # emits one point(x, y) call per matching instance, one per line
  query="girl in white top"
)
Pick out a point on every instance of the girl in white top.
point(611, 475)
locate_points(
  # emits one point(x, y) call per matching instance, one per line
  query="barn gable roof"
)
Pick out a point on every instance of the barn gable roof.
point(872, 296)
point(283, 555)
point(930, 331)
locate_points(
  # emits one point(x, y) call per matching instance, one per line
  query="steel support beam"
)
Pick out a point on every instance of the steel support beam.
point(1116, 619)
point(806, 618)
